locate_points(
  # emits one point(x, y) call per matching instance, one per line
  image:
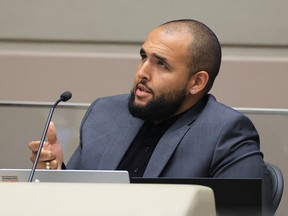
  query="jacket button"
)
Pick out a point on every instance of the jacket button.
point(147, 149)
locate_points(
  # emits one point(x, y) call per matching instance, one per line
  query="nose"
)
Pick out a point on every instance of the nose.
point(144, 70)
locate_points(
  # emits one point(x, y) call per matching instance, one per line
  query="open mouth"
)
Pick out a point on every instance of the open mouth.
point(142, 91)
point(143, 88)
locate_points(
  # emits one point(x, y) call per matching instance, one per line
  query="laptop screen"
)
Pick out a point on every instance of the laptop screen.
point(85, 176)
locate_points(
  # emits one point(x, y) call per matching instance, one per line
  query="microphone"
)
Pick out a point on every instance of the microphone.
point(65, 96)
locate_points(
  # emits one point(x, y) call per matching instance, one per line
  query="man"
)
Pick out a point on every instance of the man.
point(169, 126)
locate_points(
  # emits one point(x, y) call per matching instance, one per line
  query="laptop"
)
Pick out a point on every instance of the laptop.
point(83, 176)
point(232, 196)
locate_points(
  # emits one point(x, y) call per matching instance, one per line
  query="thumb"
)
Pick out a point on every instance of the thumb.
point(51, 134)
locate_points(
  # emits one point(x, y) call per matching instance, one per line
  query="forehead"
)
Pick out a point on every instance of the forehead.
point(168, 43)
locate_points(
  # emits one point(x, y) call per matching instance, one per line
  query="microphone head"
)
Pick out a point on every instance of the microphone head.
point(65, 96)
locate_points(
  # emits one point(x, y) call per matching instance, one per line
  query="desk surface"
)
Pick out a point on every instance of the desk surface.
point(107, 199)
point(232, 196)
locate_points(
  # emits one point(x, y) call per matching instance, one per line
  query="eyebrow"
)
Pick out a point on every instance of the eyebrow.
point(142, 51)
point(160, 57)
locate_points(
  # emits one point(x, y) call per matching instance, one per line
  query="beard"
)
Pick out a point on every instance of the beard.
point(159, 108)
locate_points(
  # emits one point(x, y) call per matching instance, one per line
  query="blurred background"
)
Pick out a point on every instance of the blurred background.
point(91, 47)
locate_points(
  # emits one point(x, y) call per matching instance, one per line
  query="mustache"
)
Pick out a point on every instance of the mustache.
point(143, 82)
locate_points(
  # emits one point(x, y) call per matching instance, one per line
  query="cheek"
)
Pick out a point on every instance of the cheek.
point(173, 83)
point(165, 88)
point(171, 87)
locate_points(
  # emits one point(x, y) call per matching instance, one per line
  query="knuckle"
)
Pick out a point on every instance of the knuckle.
point(54, 164)
point(50, 155)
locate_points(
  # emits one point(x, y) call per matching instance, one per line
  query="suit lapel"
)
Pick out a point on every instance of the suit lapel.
point(121, 141)
point(170, 140)
point(163, 151)
point(128, 128)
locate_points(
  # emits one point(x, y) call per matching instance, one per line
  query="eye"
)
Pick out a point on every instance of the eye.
point(143, 55)
point(161, 64)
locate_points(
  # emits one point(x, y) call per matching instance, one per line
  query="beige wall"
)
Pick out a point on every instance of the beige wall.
point(91, 48)
point(41, 76)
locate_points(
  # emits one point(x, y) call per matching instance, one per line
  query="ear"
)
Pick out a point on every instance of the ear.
point(198, 82)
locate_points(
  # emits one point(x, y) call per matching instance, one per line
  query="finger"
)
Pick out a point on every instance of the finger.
point(53, 164)
point(46, 155)
point(51, 133)
point(34, 146)
point(41, 165)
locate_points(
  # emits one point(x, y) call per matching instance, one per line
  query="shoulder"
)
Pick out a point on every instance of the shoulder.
point(219, 110)
point(222, 117)
point(110, 102)
point(108, 107)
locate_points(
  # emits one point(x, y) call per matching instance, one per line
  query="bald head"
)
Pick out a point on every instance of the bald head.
point(204, 47)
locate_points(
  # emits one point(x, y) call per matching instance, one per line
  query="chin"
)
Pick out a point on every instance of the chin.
point(140, 103)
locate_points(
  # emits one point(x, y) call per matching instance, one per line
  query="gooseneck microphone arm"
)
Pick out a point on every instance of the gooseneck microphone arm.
point(65, 96)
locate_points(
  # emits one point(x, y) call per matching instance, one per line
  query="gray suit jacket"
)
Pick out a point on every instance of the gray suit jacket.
point(210, 140)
